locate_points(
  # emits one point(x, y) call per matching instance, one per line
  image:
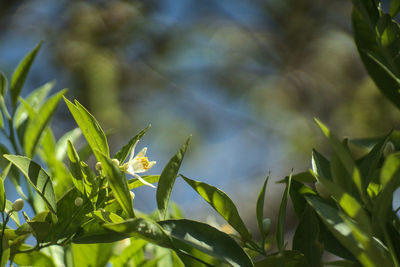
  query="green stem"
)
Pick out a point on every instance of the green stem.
point(3, 229)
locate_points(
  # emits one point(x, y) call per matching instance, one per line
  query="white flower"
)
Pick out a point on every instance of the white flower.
point(138, 164)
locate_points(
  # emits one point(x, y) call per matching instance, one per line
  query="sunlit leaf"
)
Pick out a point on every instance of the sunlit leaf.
point(320, 165)
point(90, 128)
point(220, 201)
point(2, 196)
point(135, 183)
point(37, 177)
point(96, 255)
point(34, 258)
point(34, 100)
point(118, 183)
point(123, 153)
point(167, 179)
point(61, 145)
point(20, 74)
point(206, 239)
point(37, 124)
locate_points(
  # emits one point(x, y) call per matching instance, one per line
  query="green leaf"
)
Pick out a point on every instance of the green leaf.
point(96, 255)
point(288, 258)
point(167, 179)
point(206, 239)
point(122, 154)
point(135, 183)
point(260, 209)
point(20, 74)
point(2, 196)
point(220, 201)
point(136, 246)
point(306, 238)
point(394, 8)
point(75, 168)
point(93, 232)
point(320, 165)
point(297, 192)
point(282, 217)
point(349, 204)
point(118, 183)
point(90, 128)
point(5, 255)
point(61, 145)
point(3, 84)
point(343, 263)
point(343, 232)
point(34, 258)
point(14, 215)
point(34, 101)
point(38, 123)
point(70, 216)
point(37, 177)
point(142, 228)
point(379, 57)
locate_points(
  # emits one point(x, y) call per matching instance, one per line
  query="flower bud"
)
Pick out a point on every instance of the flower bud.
point(78, 201)
point(389, 149)
point(266, 224)
point(132, 194)
point(98, 166)
point(115, 161)
point(18, 204)
point(322, 191)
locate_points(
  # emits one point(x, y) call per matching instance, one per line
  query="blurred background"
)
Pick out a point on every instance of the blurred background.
point(245, 78)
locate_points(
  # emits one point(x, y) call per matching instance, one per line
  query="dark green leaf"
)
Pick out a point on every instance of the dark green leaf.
point(260, 209)
point(93, 232)
point(90, 128)
point(206, 239)
point(222, 204)
point(288, 258)
point(3, 84)
point(343, 263)
point(394, 8)
point(118, 183)
point(20, 74)
point(142, 228)
point(75, 168)
point(320, 165)
point(297, 192)
point(167, 179)
point(37, 177)
point(122, 154)
point(2, 196)
point(282, 217)
point(37, 124)
point(306, 238)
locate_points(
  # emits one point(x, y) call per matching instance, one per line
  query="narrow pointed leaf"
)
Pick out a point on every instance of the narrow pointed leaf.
point(280, 232)
point(288, 258)
point(75, 168)
point(220, 201)
point(118, 183)
point(90, 128)
point(206, 239)
point(37, 177)
point(38, 123)
point(260, 209)
point(61, 145)
point(34, 101)
point(123, 153)
point(135, 183)
point(320, 165)
point(2, 196)
point(20, 74)
point(167, 180)
point(3, 84)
